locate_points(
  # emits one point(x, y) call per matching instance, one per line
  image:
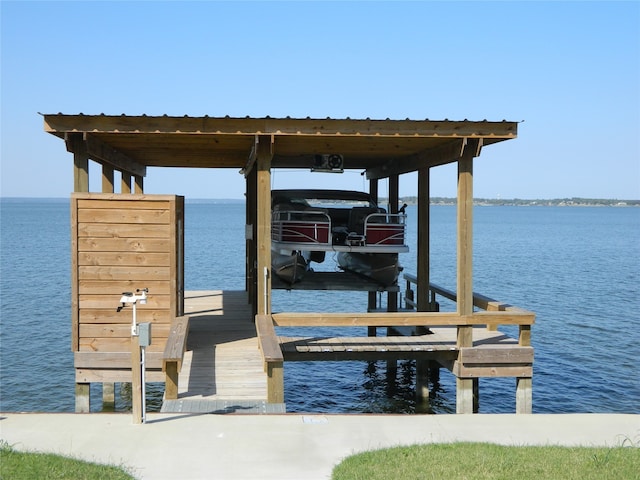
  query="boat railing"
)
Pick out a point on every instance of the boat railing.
point(295, 226)
point(385, 229)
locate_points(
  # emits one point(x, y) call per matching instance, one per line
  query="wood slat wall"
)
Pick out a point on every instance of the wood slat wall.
point(123, 243)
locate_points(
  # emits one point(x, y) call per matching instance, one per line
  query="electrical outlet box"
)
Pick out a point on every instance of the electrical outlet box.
point(144, 334)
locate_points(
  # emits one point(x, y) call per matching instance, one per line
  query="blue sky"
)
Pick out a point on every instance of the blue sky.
point(569, 70)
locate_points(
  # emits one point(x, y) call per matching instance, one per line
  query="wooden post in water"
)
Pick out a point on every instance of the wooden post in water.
point(465, 386)
point(108, 396)
point(76, 145)
point(108, 388)
point(83, 397)
point(524, 394)
point(422, 294)
point(371, 296)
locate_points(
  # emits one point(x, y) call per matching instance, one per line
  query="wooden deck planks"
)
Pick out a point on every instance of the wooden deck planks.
point(440, 344)
point(222, 369)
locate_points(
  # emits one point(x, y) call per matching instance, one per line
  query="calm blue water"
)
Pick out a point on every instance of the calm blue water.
point(578, 269)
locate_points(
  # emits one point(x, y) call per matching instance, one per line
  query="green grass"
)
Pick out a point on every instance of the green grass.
point(477, 461)
point(15, 465)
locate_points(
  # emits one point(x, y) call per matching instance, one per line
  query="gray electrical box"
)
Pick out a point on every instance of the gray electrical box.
point(144, 334)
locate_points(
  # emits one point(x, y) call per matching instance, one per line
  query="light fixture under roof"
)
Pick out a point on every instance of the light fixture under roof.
point(331, 163)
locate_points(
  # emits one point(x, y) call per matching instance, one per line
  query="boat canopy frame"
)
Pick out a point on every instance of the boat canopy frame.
point(256, 145)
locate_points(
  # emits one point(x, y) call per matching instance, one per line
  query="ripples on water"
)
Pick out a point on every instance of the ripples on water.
point(576, 268)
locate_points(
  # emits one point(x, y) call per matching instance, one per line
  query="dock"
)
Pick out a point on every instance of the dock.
point(204, 345)
point(222, 369)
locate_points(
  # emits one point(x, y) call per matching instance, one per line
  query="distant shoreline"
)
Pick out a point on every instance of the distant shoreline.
point(557, 202)
point(413, 200)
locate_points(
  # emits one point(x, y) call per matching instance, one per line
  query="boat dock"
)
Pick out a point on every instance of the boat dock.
point(204, 344)
point(222, 369)
point(229, 364)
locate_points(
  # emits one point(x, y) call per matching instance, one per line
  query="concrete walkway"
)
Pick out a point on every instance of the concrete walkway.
point(291, 446)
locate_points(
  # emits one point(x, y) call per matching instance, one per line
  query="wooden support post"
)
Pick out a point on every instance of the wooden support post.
point(83, 397)
point(371, 298)
point(422, 381)
point(125, 183)
point(265, 153)
point(392, 367)
point(465, 386)
point(136, 380)
point(422, 294)
point(394, 198)
point(252, 235)
point(371, 306)
point(524, 337)
point(80, 167)
point(524, 386)
point(524, 395)
point(108, 396)
point(476, 395)
point(171, 381)
point(139, 181)
point(465, 236)
point(107, 178)
point(275, 382)
point(424, 368)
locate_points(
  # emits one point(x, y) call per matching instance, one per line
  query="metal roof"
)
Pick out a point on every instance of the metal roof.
point(381, 147)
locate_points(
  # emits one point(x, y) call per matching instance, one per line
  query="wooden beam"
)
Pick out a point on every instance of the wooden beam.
point(433, 157)
point(385, 319)
point(273, 358)
point(268, 339)
point(60, 123)
point(251, 160)
point(105, 153)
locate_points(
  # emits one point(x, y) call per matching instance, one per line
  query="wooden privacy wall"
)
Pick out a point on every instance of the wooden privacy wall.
point(120, 243)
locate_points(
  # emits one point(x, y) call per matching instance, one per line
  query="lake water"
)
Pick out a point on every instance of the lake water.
point(578, 269)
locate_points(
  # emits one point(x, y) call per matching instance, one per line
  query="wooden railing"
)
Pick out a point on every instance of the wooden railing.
point(469, 361)
point(479, 301)
point(174, 354)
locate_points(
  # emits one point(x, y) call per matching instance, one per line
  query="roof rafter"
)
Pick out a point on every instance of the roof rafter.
point(102, 152)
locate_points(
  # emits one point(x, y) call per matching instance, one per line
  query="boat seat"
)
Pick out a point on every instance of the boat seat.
point(357, 217)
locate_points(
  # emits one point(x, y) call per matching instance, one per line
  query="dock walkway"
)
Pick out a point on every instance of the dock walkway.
point(222, 369)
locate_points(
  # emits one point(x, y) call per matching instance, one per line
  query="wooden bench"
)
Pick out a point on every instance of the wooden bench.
point(173, 355)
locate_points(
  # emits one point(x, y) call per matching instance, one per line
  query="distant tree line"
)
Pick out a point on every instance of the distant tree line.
point(556, 202)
